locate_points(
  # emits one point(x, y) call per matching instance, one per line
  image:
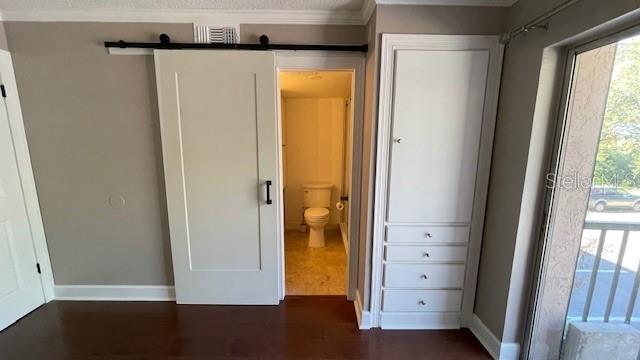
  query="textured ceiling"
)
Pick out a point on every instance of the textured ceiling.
point(315, 84)
point(181, 4)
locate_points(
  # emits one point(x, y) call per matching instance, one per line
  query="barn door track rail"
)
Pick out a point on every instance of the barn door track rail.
point(166, 44)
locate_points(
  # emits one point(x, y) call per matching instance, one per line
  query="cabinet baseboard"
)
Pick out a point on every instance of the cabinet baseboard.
point(417, 321)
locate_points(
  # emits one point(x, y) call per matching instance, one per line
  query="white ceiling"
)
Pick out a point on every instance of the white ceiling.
point(315, 84)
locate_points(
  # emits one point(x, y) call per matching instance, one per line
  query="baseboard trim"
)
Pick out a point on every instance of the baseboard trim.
point(114, 293)
point(344, 232)
point(419, 321)
point(364, 317)
point(498, 350)
point(295, 225)
point(292, 225)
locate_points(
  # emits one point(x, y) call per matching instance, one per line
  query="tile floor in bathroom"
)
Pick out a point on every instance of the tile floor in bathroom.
point(314, 271)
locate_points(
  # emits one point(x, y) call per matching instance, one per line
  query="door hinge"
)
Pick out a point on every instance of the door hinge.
point(3, 91)
point(38, 268)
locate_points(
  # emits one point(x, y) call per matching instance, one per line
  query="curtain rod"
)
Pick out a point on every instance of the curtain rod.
point(166, 44)
point(537, 23)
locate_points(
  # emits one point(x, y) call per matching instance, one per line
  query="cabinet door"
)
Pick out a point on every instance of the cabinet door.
point(437, 118)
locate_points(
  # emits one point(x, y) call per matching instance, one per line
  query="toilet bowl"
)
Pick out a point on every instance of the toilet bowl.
point(317, 199)
point(316, 219)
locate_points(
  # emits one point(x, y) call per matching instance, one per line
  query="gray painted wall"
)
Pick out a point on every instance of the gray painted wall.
point(3, 38)
point(513, 209)
point(368, 161)
point(304, 34)
point(452, 20)
point(92, 125)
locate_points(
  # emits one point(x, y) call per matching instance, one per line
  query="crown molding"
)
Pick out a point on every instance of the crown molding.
point(219, 17)
point(224, 16)
point(367, 10)
point(495, 3)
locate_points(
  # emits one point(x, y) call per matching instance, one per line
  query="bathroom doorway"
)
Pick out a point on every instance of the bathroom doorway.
point(316, 115)
point(320, 112)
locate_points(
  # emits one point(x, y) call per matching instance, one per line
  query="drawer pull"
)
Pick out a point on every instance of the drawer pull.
point(424, 277)
point(425, 254)
point(422, 303)
point(428, 235)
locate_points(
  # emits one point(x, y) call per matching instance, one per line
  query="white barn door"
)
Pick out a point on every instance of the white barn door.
point(219, 133)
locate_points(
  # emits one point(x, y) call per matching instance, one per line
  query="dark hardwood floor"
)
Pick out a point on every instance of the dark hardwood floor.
point(301, 327)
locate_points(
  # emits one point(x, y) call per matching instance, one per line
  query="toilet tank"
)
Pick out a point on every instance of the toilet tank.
point(317, 194)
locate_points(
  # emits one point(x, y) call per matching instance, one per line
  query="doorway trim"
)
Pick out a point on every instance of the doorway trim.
point(327, 61)
point(27, 181)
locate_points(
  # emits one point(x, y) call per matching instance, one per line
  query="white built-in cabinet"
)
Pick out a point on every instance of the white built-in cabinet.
point(438, 97)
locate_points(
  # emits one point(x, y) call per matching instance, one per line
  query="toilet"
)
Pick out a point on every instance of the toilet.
point(317, 200)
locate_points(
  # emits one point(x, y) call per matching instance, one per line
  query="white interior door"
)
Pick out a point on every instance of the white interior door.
point(218, 120)
point(20, 286)
point(437, 118)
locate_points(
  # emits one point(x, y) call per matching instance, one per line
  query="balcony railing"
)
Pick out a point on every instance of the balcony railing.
point(605, 227)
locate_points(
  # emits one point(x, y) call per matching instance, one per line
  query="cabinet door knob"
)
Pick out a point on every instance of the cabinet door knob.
point(424, 276)
point(422, 302)
point(428, 235)
point(397, 140)
point(425, 254)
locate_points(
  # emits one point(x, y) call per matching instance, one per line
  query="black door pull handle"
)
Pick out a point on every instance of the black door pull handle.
point(269, 201)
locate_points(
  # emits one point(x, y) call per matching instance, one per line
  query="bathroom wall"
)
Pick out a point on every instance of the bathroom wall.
point(313, 139)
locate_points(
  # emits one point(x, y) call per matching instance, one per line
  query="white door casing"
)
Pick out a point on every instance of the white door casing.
point(333, 61)
point(219, 133)
point(21, 232)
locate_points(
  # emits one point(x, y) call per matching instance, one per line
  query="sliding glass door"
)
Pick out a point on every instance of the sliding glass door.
point(590, 258)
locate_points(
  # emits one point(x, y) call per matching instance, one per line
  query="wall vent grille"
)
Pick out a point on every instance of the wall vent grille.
point(211, 34)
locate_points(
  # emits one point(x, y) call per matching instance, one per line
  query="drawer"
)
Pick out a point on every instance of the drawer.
point(425, 253)
point(424, 275)
point(422, 300)
point(431, 234)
